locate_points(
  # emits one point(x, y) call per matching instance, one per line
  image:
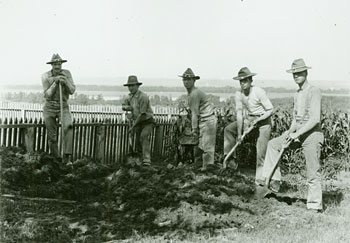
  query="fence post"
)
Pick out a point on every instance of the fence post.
point(27, 139)
point(158, 141)
point(100, 142)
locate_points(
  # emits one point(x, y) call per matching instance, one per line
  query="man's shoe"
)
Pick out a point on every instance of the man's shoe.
point(275, 186)
point(314, 210)
point(259, 182)
point(146, 163)
point(66, 159)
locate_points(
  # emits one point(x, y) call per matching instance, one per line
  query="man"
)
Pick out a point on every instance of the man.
point(138, 104)
point(306, 128)
point(51, 81)
point(253, 108)
point(203, 120)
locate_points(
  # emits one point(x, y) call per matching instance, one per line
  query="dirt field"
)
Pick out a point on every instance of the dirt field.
point(171, 204)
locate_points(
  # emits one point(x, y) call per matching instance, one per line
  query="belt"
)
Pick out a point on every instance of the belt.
point(255, 115)
point(205, 117)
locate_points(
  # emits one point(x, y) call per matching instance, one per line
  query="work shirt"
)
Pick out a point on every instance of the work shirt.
point(140, 104)
point(255, 104)
point(199, 104)
point(47, 81)
point(307, 105)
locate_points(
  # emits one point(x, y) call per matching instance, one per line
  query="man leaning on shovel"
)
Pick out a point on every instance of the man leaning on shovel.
point(58, 85)
point(253, 108)
point(306, 129)
point(141, 114)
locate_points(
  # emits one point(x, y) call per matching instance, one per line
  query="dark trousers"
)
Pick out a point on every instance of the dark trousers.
point(51, 113)
point(142, 133)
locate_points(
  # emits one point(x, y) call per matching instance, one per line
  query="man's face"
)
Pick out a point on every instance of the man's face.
point(246, 83)
point(188, 82)
point(133, 88)
point(300, 77)
point(56, 67)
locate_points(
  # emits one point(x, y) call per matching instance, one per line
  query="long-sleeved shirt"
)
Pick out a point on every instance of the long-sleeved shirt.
point(307, 107)
point(256, 103)
point(139, 104)
point(48, 83)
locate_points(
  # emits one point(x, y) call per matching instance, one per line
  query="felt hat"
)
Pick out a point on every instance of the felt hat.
point(244, 73)
point(298, 65)
point(132, 79)
point(56, 59)
point(188, 74)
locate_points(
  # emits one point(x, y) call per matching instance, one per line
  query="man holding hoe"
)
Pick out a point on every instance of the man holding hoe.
point(141, 114)
point(305, 131)
point(253, 108)
point(58, 85)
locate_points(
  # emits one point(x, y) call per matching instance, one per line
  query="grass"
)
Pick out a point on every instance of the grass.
point(282, 222)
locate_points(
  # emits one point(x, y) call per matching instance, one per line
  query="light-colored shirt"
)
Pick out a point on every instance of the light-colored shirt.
point(199, 104)
point(307, 104)
point(255, 104)
point(140, 104)
point(47, 82)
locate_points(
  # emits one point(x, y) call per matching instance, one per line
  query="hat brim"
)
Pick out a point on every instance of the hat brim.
point(243, 77)
point(132, 84)
point(297, 70)
point(194, 77)
point(62, 61)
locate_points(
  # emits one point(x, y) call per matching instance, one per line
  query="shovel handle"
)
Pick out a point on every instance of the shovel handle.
point(61, 111)
point(245, 133)
point(284, 147)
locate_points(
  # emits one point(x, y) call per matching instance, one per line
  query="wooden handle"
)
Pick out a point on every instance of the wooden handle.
point(61, 110)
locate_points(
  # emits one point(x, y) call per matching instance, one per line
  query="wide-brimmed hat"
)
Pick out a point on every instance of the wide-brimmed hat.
point(188, 74)
point(56, 59)
point(132, 79)
point(243, 73)
point(298, 65)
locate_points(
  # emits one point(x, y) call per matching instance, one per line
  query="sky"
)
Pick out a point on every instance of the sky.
point(158, 39)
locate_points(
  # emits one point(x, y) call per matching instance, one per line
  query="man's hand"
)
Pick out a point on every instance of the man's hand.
point(292, 136)
point(126, 108)
point(255, 122)
point(130, 129)
point(62, 80)
point(195, 132)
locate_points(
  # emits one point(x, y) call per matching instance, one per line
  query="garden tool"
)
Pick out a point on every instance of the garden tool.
point(130, 132)
point(245, 133)
point(132, 158)
point(264, 191)
point(61, 110)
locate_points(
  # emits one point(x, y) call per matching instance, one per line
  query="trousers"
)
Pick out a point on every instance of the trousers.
point(142, 143)
point(264, 127)
point(51, 112)
point(205, 150)
point(311, 146)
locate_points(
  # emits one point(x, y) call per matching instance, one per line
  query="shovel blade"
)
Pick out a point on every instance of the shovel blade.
point(262, 192)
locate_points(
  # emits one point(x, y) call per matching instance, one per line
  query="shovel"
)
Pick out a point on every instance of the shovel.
point(264, 191)
point(132, 158)
point(61, 110)
point(245, 133)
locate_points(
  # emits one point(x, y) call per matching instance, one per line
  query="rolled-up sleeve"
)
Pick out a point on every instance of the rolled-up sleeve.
point(238, 101)
point(46, 84)
point(315, 105)
point(144, 104)
point(265, 101)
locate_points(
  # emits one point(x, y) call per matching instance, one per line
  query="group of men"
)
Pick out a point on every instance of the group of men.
point(253, 108)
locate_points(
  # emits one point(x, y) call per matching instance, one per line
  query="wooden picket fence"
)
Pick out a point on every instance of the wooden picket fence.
point(105, 140)
point(35, 111)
